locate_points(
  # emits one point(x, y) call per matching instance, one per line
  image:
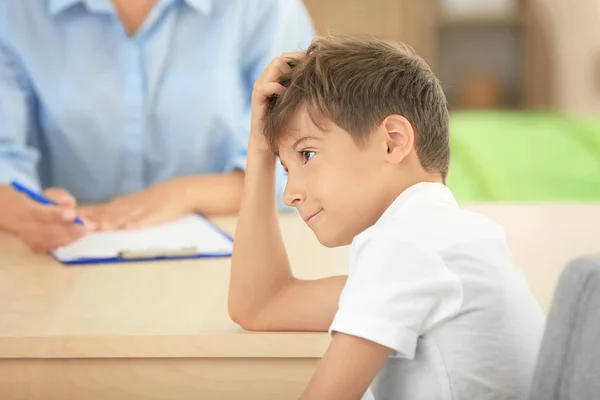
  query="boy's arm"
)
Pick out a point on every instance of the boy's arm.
point(347, 369)
point(263, 293)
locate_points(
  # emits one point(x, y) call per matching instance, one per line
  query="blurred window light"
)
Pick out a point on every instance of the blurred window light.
point(478, 8)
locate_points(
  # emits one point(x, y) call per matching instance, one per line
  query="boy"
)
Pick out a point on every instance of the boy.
point(432, 308)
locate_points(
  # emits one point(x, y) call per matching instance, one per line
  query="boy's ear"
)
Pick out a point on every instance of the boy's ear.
point(399, 137)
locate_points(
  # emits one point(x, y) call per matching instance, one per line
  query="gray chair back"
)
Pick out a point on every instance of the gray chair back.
point(568, 365)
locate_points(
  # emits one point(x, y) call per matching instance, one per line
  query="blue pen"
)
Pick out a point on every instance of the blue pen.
point(38, 197)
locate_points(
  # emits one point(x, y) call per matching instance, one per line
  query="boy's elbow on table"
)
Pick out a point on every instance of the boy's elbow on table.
point(245, 315)
point(247, 320)
point(240, 316)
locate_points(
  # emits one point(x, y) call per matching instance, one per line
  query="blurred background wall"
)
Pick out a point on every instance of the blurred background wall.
point(522, 78)
point(508, 54)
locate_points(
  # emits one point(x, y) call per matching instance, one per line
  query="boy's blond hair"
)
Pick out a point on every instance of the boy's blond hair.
point(356, 83)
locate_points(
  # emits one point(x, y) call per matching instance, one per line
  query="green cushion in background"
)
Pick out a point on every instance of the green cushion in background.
point(518, 156)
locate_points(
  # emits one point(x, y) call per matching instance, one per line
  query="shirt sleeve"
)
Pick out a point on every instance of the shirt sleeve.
point(272, 27)
point(17, 160)
point(395, 293)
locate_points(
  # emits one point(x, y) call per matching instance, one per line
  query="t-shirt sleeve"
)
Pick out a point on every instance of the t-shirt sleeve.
point(396, 292)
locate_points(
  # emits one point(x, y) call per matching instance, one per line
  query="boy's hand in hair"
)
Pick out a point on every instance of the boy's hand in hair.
point(266, 86)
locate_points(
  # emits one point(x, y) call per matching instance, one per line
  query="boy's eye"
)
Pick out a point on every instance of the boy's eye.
point(307, 155)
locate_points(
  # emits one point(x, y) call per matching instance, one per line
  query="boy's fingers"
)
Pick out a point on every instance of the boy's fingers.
point(294, 56)
point(273, 72)
point(268, 89)
point(281, 65)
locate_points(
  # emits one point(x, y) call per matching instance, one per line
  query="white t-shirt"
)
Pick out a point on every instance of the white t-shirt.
point(435, 284)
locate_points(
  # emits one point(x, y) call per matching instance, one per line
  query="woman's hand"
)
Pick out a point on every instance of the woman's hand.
point(157, 204)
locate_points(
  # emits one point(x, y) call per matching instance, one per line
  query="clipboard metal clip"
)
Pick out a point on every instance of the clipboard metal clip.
point(157, 253)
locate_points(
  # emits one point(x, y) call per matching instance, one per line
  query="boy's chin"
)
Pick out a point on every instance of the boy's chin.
point(332, 240)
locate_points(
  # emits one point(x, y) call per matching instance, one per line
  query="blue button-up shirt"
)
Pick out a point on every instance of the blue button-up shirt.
point(86, 107)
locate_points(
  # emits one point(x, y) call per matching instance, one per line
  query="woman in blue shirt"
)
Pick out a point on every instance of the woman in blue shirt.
point(139, 107)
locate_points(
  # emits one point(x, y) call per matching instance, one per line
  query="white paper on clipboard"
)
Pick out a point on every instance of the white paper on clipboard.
point(189, 234)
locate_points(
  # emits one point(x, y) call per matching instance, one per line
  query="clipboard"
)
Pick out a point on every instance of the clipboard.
point(192, 236)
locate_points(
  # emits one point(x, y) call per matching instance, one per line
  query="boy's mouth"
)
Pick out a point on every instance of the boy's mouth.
point(311, 217)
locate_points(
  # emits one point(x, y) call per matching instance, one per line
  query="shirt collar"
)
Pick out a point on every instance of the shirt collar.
point(58, 6)
point(101, 6)
point(202, 6)
point(419, 194)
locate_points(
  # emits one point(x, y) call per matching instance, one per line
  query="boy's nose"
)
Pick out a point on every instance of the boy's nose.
point(293, 194)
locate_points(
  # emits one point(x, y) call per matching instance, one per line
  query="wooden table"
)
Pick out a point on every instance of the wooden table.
point(161, 331)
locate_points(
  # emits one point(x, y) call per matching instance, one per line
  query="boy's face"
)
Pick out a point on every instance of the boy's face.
point(338, 187)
